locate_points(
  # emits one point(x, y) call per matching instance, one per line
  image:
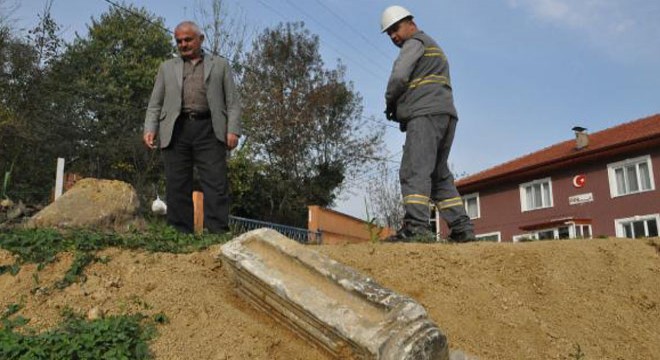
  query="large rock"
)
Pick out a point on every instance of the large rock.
point(330, 304)
point(92, 203)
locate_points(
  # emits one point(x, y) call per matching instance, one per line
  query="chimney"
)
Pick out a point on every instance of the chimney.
point(581, 137)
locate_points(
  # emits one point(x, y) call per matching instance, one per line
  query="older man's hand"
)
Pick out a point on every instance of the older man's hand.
point(232, 141)
point(149, 139)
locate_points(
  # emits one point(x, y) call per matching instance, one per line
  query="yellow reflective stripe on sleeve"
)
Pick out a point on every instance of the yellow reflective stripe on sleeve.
point(433, 51)
point(429, 79)
point(415, 202)
point(416, 199)
point(457, 201)
point(416, 196)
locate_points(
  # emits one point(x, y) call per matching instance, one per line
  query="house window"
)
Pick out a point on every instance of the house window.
point(471, 203)
point(568, 231)
point(583, 231)
point(638, 226)
point(631, 176)
point(536, 194)
point(494, 236)
point(525, 237)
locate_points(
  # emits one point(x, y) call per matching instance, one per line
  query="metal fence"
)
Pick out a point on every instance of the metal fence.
point(241, 225)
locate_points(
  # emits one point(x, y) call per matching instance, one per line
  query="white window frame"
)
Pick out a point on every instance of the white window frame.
point(572, 233)
point(618, 223)
point(495, 233)
point(573, 230)
point(517, 238)
point(469, 197)
point(611, 168)
point(547, 203)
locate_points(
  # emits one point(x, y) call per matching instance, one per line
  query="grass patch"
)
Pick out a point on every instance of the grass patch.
point(41, 246)
point(114, 337)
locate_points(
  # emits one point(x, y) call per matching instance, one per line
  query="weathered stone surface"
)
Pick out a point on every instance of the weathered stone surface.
point(91, 203)
point(344, 312)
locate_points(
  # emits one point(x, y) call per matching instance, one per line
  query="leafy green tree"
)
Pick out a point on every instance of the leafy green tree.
point(303, 124)
point(84, 101)
point(17, 69)
point(109, 74)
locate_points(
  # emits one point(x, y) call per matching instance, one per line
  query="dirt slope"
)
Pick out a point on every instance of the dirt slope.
point(495, 301)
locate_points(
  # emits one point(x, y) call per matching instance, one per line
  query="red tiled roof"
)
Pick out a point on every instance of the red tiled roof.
point(606, 140)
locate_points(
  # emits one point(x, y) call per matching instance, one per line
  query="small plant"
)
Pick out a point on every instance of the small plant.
point(17, 321)
point(75, 272)
point(6, 180)
point(161, 318)
point(10, 310)
point(372, 227)
point(578, 354)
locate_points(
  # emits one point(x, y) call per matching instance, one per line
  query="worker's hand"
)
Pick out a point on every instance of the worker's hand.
point(232, 140)
point(403, 126)
point(390, 113)
point(149, 139)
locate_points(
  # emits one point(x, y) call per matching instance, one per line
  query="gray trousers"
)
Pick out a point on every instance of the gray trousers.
point(425, 175)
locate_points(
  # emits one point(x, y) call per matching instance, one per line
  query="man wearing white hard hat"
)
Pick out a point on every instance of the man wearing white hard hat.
point(419, 97)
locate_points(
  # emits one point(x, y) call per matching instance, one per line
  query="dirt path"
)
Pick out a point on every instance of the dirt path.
point(496, 301)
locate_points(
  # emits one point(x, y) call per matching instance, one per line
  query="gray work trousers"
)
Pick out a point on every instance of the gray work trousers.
point(425, 175)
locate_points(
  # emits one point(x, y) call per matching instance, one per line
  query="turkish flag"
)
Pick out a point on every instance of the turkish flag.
point(579, 180)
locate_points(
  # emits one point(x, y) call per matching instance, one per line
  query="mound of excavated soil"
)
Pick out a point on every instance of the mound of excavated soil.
point(496, 301)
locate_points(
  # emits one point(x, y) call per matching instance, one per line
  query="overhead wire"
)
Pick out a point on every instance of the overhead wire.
point(334, 34)
point(370, 173)
point(277, 12)
point(355, 31)
point(339, 52)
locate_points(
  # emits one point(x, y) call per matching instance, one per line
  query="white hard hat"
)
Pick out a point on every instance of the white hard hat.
point(392, 15)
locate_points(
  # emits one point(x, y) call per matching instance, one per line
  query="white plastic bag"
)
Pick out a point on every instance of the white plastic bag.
point(158, 206)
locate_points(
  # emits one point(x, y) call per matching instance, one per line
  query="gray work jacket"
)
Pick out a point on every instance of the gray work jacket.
point(420, 83)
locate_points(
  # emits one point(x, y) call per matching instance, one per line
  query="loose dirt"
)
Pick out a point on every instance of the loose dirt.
point(495, 301)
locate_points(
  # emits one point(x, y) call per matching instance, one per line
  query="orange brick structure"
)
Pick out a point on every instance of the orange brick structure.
point(339, 228)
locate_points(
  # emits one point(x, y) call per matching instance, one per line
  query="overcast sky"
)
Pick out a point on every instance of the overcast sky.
point(524, 72)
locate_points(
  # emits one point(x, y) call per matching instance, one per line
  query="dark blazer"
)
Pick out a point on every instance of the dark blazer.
point(165, 103)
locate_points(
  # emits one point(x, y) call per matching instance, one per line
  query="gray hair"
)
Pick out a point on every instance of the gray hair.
point(190, 24)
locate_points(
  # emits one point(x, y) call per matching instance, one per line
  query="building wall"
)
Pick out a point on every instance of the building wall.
point(500, 205)
point(339, 228)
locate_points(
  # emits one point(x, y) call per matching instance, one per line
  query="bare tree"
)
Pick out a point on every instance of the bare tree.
point(384, 197)
point(6, 11)
point(225, 35)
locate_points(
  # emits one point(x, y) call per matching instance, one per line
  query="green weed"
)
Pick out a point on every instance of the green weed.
point(115, 337)
point(578, 354)
point(41, 246)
